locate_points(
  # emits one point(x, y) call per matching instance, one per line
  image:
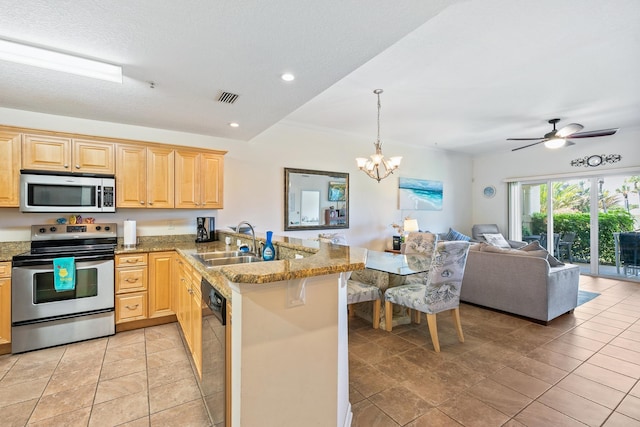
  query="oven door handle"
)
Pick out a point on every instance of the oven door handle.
point(49, 260)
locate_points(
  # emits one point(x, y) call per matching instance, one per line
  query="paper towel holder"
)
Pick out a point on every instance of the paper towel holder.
point(129, 234)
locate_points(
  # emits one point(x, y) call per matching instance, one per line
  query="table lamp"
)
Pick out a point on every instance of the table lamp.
point(410, 225)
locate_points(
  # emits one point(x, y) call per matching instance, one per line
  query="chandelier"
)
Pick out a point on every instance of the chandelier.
point(376, 166)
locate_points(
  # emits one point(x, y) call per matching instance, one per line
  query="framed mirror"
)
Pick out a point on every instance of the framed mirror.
point(315, 200)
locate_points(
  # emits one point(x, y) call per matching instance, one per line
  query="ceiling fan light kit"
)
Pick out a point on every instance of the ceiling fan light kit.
point(560, 137)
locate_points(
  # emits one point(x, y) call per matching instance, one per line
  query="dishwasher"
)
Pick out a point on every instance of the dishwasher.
point(213, 381)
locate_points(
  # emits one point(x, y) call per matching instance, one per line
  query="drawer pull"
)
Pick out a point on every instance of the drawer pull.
point(130, 280)
point(132, 307)
point(132, 261)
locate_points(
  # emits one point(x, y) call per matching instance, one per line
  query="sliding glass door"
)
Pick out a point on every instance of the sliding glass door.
point(579, 217)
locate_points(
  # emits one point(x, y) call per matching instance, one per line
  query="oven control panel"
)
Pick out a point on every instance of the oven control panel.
point(68, 231)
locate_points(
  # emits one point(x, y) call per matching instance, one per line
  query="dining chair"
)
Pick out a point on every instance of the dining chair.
point(439, 292)
point(363, 286)
point(419, 243)
point(565, 245)
point(630, 252)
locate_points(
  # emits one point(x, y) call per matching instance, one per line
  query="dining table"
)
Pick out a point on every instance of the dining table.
point(397, 268)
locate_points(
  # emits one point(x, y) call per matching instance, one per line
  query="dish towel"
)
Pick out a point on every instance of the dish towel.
point(64, 274)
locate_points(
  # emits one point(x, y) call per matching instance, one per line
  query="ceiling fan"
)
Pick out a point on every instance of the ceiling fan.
point(558, 137)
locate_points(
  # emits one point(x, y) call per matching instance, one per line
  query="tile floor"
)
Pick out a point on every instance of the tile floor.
point(582, 369)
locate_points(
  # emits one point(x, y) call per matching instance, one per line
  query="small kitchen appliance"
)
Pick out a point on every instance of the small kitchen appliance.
point(205, 229)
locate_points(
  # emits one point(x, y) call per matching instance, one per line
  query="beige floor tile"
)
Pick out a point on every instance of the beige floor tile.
point(77, 418)
point(22, 391)
point(472, 412)
point(192, 414)
point(520, 382)
point(630, 407)
point(167, 357)
point(140, 422)
point(539, 370)
point(366, 414)
point(577, 407)
point(555, 359)
point(400, 404)
point(592, 390)
point(18, 414)
point(539, 415)
point(23, 372)
point(123, 367)
point(369, 380)
point(561, 346)
point(125, 351)
point(500, 397)
point(69, 400)
point(617, 365)
point(121, 410)
point(126, 338)
point(627, 344)
point(182, 391)
point(434, 418)
point(166, 374)
point(619, 420)
point(121, 386)
point(61, 381)
point(605, 376)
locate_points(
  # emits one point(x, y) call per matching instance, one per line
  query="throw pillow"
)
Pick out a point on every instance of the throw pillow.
point(456, 235)
point(497, 240)
point(535, 246)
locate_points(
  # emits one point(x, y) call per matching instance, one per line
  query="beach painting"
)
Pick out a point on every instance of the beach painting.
point(420, 194)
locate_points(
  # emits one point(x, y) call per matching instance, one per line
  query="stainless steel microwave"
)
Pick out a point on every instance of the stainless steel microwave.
point(67, 193)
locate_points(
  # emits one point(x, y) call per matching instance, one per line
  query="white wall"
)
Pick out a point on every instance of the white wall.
point(494, 168)
point(254, 180)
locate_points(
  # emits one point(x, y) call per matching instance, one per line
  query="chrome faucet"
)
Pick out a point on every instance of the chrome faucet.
point(253, 235)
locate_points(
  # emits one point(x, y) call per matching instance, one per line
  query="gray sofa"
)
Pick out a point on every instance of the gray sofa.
point(523, 285)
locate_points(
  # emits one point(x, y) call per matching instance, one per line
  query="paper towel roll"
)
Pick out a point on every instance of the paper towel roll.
point(129, 233)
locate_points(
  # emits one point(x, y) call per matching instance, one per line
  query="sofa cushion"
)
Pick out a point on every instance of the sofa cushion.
point(535, 246)
point(490, 248)
point(456, 235)
point(496, 240)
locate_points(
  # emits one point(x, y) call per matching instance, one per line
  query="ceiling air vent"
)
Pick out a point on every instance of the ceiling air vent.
point(227, 97)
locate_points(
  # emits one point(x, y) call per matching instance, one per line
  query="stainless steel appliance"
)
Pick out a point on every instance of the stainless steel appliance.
point(66, 193)
point(213, 383)
point(205, 229)
point(42, 316)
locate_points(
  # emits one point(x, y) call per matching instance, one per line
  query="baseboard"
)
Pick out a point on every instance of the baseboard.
point(145, 323)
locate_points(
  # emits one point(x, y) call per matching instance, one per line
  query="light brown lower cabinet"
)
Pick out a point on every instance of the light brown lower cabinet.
point(189, 309)
point(5, 303)
point(131, 287)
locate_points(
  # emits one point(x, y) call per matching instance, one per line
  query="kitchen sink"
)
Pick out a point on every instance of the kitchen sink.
point(215, 259)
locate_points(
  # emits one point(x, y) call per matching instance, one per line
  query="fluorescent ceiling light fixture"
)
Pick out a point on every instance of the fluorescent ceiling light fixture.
point(288, 77)
point(43, 58)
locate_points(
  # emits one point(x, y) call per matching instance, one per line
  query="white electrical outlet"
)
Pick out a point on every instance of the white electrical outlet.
point(171, 225)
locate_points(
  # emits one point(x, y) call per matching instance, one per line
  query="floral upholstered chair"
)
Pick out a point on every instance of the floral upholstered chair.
point(439, 292)
point(364, 285)
point(419, 249)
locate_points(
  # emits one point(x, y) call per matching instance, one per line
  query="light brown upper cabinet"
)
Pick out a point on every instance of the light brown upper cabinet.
point(9, 169)
point(62, 154)
point(199, 180)
point(145, 177)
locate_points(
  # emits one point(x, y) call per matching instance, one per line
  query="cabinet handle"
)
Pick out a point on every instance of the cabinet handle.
point(150, 203)
point(66, 166)
point(142, 202)
point(130, 307)
point(77, 166)
point(130, 280)
point(131, 261)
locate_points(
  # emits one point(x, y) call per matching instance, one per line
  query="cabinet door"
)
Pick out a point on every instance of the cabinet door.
point(131, 176)
point(211, 181)
point(160, 178)
point(160, 275)
point(93, 156)
point(41, 152)
point(196, 327)
point(9, 169)
point(5, 309)
point(188, 179)
point(131, 307)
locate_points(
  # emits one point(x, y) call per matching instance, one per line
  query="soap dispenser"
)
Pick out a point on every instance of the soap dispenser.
point(269, 252)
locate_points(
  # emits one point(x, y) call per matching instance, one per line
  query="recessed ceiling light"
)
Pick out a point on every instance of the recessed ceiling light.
point(234, 125)
point(288, 77)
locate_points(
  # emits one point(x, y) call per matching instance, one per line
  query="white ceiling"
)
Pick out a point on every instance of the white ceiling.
point(458, 75)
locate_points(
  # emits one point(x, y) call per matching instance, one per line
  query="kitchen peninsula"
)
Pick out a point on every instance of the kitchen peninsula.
point(288, 331)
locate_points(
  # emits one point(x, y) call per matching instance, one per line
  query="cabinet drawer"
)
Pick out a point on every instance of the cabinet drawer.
point(131, 279)
point(5, 269)
point(131, 306)
point(131, 260)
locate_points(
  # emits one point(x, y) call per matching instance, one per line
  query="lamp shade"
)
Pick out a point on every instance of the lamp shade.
point(411, 225)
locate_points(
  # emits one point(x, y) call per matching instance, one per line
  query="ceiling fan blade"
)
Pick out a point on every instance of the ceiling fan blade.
point(569, 129)
point(593, 133)
point(523, 139)
point(530, 145)
point(568, 142)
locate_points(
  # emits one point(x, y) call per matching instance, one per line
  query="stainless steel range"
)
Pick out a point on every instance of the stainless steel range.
point(44, 315)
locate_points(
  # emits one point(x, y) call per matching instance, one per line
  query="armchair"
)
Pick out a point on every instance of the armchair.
point(479, 230)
